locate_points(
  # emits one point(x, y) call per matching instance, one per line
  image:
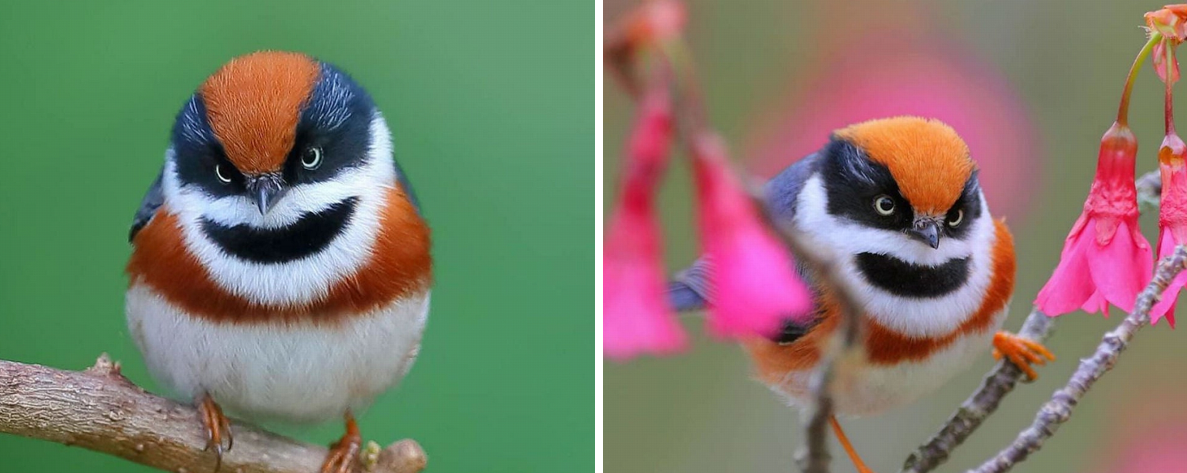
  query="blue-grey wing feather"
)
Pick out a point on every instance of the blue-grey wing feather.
point(406, 185)
point(783, 190)
point(148, 206)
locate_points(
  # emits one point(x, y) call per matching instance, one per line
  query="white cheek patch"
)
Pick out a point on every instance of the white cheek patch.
point(918, 317)
point(303, 280)
point(851, 238)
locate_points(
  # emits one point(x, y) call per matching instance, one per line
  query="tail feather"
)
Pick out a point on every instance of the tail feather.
point(684, 298)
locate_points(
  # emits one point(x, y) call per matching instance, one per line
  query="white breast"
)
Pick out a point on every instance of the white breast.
point(867, 389)
point(295, 372)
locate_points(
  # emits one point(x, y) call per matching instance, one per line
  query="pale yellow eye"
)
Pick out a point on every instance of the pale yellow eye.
point(884, 205)
point(955, 220)
point(311, 159)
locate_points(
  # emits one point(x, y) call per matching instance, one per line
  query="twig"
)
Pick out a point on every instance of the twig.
point(999, 382)
point(978, 407)
point(1057, 411)
point(100, 410)
point(814, 457)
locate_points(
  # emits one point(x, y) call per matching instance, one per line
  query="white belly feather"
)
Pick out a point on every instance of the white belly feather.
point(290, 372)
point(862, 388)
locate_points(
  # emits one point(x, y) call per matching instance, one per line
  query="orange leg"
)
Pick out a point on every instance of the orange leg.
point(216, 426)
point(857, 463)
point(344, 454)
point(1020, 351)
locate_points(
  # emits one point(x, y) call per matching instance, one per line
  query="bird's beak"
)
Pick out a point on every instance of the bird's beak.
point(265, 190)
point(927, 230)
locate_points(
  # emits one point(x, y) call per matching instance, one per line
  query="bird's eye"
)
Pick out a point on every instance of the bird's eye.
point(884, 205)
point(223, 177)
point(311, 159)
point(955, 220)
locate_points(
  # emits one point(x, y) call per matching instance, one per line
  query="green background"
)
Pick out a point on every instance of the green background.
point(1067, 60)
point(490, 107)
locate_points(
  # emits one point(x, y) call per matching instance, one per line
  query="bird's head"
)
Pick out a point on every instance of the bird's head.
point(271, 136)
point(904, 176)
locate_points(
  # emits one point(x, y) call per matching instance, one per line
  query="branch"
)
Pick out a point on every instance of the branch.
point(980, 405)
point(100, 410)
point(1057, 411)
point(999, 382)
point(814, 457)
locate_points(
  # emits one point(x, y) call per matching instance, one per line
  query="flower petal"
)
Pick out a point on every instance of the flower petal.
point(756, 287)
point(1165, 307)
point(1159, 59)
point(1123, 267)
point(1070, 285)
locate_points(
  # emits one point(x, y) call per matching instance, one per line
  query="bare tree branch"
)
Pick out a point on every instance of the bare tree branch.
point(814, 456)
point(99, 409)
point(1057, 411)
point(978, 407)
point(999, 382)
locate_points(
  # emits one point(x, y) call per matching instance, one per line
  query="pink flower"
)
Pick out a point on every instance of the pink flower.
point(1105, 258)
point(753, 277)
point(1172, 218)
point(636, 316)
point(1169, 23)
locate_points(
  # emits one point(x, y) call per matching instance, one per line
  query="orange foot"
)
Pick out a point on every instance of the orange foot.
point(1021, 351)
point(852, 452)
point(216, 426)
point(344, 453)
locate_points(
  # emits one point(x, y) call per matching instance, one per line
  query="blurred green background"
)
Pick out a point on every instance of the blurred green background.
point(489, 104)
point(1032, 85)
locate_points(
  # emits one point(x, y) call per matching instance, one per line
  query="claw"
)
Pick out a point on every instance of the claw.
point(344, 454)
point(1022, 352)
point(216, 426)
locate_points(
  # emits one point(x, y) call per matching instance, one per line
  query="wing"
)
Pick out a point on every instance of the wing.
point(148, 206)
point(406, 186)
point(783, 189)
point(690, 290)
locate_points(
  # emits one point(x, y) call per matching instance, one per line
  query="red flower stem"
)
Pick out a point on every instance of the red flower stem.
point(1170, 84)
point(691, 120)
point(1123, 110)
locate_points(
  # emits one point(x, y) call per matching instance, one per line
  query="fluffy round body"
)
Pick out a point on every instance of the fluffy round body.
point(896, 204)
point(280, 262)
point(290, 372)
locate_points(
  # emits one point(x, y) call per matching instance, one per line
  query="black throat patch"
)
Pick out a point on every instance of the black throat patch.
point(308, 235)
point(905, 279)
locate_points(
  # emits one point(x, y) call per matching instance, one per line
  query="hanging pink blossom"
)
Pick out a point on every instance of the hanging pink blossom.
point(753, 275)
point(1105, 259)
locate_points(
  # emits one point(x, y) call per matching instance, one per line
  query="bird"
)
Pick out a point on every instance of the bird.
point(896, 205)
point(280, 268)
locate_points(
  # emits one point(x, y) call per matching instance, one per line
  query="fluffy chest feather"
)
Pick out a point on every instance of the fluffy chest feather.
point(351, 275)
point(297, 372)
